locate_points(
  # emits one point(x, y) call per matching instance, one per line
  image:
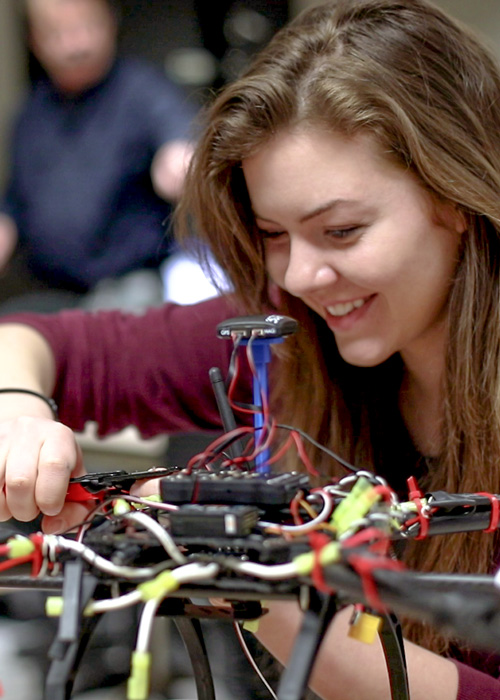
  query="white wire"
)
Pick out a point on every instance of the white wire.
point(189, 572)
point(332, 489)
point(156, 505)
point(146, 625)
point(185, 574)
point(163, 537)
point(128, 572)
point(44, 552)
point(362, 472)
point(371, 477)
point(252, 661)
point(311, 524)
point(274, 572)
point(123, 601)
point(196, 571)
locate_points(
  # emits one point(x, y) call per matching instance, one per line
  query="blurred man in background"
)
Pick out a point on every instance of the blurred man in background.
point(99, 153)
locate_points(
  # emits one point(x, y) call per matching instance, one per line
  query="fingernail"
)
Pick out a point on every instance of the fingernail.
point(55, 526)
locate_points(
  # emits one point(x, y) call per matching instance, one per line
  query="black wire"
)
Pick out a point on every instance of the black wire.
point(347, 465)
point(219, 451)
point(350, 467)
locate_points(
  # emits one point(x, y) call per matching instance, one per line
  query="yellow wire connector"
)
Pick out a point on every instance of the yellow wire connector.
point(139, 681)
point(365, 627)
point(121, 507)
point(20, 546)
point(159, 587)
point(329, 554)
point(54, 605)
point(355, 505)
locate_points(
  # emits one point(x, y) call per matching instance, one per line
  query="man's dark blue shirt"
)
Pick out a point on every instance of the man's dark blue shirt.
point(80, 189)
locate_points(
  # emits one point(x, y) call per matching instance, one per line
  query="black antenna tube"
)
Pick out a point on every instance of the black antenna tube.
point(225, 410)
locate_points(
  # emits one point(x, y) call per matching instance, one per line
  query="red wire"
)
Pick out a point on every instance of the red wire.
point(267, 431)
point(10, 563)
point(295, 508)
point(244, 458)
point(209, 454)
point(303, 454)
point(236, 371)
point(267, 435)
point(283, 450)
point(385, 492)
point(231, 390)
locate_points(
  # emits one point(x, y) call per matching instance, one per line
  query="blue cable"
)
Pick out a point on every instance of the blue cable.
point(261, 353)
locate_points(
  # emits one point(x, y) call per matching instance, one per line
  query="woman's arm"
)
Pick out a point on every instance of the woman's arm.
point(26, 360)
point(346, 668)
point(37, 454)
point(151, 371)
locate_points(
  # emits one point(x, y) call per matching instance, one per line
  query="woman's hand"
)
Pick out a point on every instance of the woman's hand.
point(37, 458)
point(146, 487)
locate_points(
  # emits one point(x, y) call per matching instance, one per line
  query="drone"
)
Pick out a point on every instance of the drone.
point(229, 527)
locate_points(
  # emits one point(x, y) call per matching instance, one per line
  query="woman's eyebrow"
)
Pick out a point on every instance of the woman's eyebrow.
point(320, 209)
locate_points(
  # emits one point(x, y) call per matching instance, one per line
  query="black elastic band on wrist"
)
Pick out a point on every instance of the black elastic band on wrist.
point(48, 400)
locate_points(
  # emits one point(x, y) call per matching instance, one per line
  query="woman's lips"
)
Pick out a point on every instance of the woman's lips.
point(344, 315)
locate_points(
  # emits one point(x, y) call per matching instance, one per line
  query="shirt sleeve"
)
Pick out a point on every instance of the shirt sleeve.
point(150, 371)
point(476, 685)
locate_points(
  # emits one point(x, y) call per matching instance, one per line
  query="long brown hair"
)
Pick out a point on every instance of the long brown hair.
point(429, 92)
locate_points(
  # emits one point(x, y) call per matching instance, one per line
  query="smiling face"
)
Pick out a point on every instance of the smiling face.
point(358, 240)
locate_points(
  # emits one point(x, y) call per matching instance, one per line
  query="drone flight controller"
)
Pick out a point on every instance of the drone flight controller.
point(233, 487)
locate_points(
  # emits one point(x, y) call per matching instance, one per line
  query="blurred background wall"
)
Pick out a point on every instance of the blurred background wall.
point(201, 43)
point(484, 15)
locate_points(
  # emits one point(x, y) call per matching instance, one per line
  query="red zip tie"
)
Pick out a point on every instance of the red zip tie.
point(414, 491)
point(37, 557)
point(495, 511)
point(416, 495)
point(377, 541)
point(365, 568)
point(318, 540)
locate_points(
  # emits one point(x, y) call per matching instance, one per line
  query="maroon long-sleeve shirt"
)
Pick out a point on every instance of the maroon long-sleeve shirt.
point(151, 371)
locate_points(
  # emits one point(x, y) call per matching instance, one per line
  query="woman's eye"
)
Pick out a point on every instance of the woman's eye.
point(271, 234)
point(342, 232)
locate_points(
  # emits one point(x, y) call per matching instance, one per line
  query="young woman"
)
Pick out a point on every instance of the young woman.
point(349, 179)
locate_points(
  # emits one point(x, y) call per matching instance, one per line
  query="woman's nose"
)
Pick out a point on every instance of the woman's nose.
point(76, 42)
point(308, 269)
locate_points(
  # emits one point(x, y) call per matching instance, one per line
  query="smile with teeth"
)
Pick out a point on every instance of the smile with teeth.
point(344, 308)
